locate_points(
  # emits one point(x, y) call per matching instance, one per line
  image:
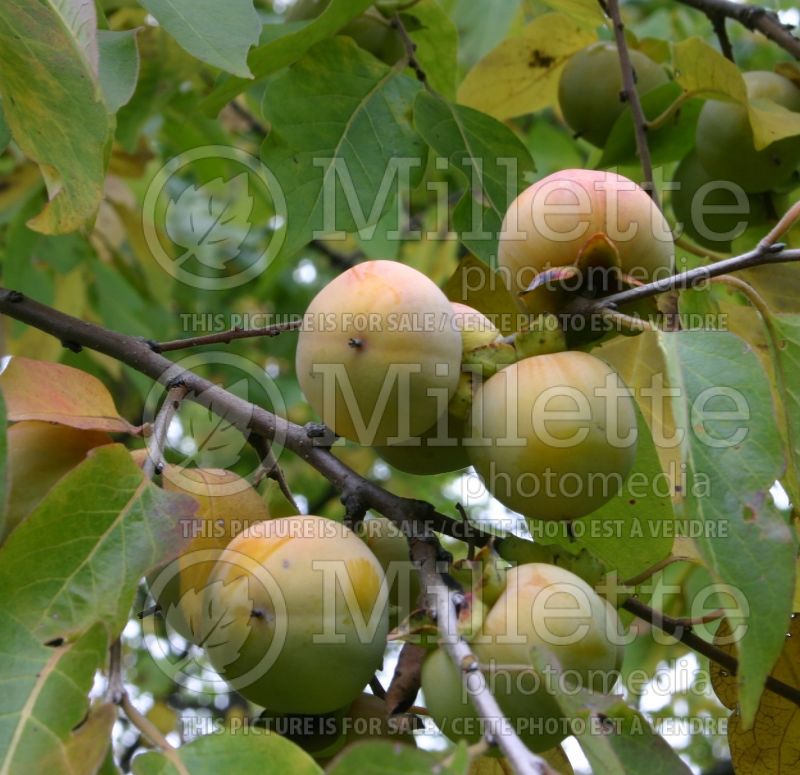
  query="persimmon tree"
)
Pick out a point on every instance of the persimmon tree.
point(399, 386)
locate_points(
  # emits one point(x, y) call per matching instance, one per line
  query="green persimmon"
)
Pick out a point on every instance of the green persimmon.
point(554, 436)
point(542, 606)
point(713, 212)
point(590, 86)
point(227, 504)
point(725, 143)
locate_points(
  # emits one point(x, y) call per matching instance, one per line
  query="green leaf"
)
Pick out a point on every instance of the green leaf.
point(77, 559)
point(43, 697)
point(119, 66)
point(744, 541)
point(616, 739)
point(437, 46)
point(53, 104)
point(787, 389)
point(4, 468)
point(220, 34)
point(213, 754)
point(492, 160)
point(5, 132)
point(378, 758)
point(668, 143)
point(340, 121)
point(521, 75)
point(282, 44)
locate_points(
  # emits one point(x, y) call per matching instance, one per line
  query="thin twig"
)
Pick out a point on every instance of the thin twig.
point(154, 462)
point(718, 23)
point(338, 259)
point(753, 17)
point(269, 468)
point(411, 48)
point(648, 573)
point(694, 621)
point(697, 250)
point(310, 444)
point(152, 733)
point(631, 96)
point(685, 635)
point(116, 684)
point(691, 278)
point(225, 337)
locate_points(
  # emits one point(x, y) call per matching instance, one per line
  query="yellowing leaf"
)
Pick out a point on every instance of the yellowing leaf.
point(521, 74)
point(41, 452)
point(771, 122)
point(587, 12)
point(703, 70)
point(772, 744)
point(53, 104)
point(53, 392)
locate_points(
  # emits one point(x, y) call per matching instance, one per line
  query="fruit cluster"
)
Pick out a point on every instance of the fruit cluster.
point(729, 181)
point(388, 361)
point(294, 612)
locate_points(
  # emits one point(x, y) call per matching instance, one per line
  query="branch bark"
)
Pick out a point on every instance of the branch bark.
point(417, 519)
point(752, 17)
point(631, 96)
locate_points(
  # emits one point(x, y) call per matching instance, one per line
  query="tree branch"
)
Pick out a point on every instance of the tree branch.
point(765, 253)
point(417, 519)
point(631, 96)
point(444, 603)
point(752, 17)
point(680, 631)
point(154, 463)
point(225, 337)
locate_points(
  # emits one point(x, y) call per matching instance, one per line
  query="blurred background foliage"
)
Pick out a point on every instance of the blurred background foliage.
point(107, 274)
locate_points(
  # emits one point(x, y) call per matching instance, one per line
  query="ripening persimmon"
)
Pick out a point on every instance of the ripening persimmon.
point(590, 86)
point(378, 357)
point(298, 615)
point(554, 436)
point(227, 504)
point(725, 142)
point(581, 230)
point(541, 606)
